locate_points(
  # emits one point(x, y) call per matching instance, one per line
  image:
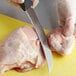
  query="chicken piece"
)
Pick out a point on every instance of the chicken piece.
point(60, 43)
point(21, 51)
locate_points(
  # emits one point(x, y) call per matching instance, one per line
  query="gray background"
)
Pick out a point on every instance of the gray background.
point(46, 12)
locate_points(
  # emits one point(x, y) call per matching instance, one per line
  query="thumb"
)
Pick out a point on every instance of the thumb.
point(35, 3)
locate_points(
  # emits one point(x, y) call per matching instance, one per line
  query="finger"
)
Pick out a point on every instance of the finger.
point(13, 3)
point(69, 27)
point(18, 1)
point(35, 3)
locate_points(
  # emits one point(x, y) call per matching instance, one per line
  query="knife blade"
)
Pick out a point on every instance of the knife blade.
point(34, 20)
point(40, 32)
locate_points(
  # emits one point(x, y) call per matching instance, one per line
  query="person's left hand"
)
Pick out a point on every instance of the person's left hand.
point(67, 16)
point(63, 38)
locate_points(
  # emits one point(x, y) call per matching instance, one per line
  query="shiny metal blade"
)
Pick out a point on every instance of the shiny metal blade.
point(32, 16)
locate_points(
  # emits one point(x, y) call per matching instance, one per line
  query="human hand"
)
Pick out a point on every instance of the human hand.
point(63, 38)
point(16, 2)
point(67, 15)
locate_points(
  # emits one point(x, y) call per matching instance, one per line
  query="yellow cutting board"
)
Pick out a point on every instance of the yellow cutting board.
point(62, 66)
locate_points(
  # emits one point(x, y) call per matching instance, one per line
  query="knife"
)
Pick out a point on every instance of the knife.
point(26, 6)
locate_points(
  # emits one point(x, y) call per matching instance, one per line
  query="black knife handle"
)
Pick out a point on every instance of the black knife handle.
point(27, 4)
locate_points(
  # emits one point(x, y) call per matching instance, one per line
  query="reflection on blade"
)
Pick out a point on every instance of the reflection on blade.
point(32, 16)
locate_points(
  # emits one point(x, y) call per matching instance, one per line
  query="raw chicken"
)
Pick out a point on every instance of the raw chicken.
point(60, 43)
point(21, 51)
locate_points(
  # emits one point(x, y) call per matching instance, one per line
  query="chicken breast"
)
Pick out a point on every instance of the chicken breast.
point(21, 51)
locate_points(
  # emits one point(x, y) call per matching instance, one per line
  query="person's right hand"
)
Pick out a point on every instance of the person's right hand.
point(16, 2)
